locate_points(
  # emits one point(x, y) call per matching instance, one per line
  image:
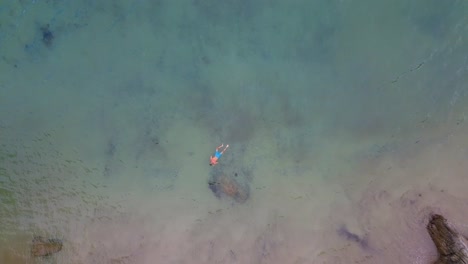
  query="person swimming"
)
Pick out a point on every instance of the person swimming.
point(217, 155)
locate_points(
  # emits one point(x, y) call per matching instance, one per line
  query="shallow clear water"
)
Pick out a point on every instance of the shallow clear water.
point(345, 119)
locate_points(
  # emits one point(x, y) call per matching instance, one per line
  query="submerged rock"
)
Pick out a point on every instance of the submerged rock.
point(42, 247)
point(451, 246)
point(229, 184)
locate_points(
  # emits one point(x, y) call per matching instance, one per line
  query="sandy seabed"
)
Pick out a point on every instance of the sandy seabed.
point(350, 143)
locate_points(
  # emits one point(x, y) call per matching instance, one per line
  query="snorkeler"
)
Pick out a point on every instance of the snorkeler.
point(217, 155)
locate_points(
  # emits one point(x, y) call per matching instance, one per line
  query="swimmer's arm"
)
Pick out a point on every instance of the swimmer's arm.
point(222, 152)
point(220, 146)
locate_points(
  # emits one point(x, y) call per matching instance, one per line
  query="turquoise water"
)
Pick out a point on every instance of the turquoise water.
point(345, 119)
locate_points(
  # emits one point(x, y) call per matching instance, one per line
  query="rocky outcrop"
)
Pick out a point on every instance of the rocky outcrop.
point(451, 246)
point(42, 247)
point(228, 183)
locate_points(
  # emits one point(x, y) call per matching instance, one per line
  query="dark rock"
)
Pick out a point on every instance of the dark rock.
point(225, 183)
point(47, 36)
point(350, 236)
point(451, 246)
